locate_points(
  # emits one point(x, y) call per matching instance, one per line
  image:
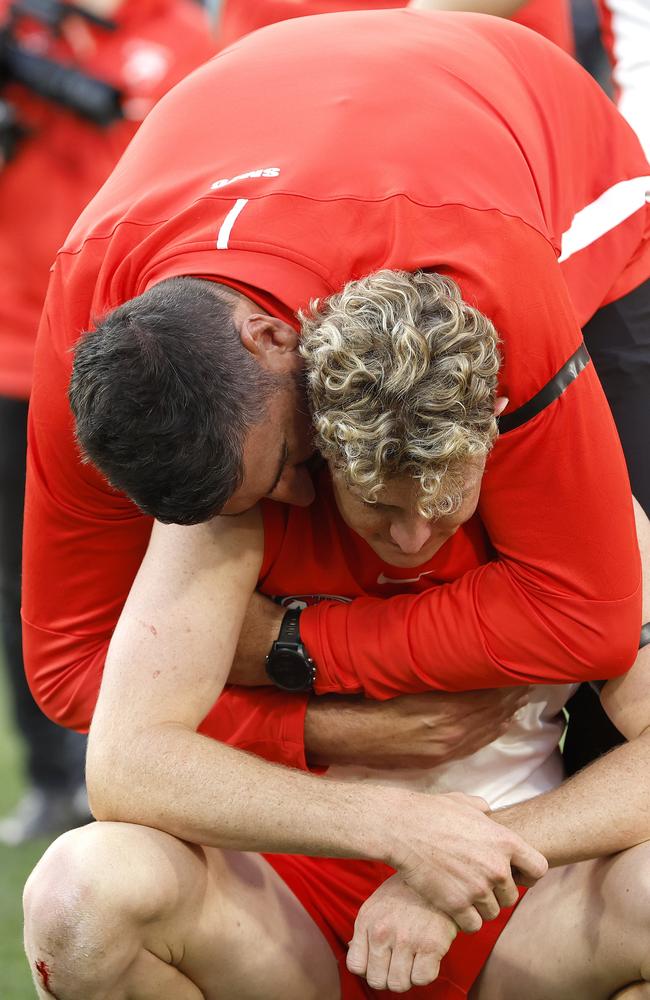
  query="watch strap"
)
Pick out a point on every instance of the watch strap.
point(290, 628)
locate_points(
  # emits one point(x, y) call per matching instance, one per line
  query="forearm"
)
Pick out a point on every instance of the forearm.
point(414, 731)
point(334, 729)
point(600, 811)
point(207, 793)
point(260, 630)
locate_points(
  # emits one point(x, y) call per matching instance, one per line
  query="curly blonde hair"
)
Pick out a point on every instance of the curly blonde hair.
point(402, 377)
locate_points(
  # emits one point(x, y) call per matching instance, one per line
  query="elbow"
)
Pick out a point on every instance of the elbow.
point(609, 647)
point(613, 658)
point(121, 783)
point(108, 780)
point(591, 638)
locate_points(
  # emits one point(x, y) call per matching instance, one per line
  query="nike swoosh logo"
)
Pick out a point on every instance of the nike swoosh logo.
point(382, 578)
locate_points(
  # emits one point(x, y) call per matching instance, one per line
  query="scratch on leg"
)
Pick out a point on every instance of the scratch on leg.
point(43, 971)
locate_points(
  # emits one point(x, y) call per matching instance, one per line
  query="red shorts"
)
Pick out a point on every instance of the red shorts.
point(332, 892)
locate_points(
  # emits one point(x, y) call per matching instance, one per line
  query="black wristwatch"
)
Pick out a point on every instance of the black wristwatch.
point(288, 664)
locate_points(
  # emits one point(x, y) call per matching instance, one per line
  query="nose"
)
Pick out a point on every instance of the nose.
point(295, 486)
point(411, 534)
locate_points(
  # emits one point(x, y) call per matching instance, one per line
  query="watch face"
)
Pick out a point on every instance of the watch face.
point(290, 670)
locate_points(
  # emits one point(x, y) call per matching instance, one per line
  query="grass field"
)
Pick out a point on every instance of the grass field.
point(15, 865)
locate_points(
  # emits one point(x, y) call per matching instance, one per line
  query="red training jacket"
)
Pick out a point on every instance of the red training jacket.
point(447, 142)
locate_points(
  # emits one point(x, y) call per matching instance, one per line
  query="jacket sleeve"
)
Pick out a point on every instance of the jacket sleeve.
point(561, 602)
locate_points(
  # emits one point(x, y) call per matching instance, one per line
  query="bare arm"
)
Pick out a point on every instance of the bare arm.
point(189, 597)
point(606, 807)
point(168, 661)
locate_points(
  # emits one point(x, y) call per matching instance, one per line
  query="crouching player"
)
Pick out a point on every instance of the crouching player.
point(137, 909)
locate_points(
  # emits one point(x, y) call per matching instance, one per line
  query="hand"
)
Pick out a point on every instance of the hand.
point(415, 730)
point(457, 859)
point(398, 940)
point(260, 630)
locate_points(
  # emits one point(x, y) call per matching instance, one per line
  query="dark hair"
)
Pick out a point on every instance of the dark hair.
point(163, 393)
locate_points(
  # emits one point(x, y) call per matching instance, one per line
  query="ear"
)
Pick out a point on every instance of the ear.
point(272, 342)
point(500, 404)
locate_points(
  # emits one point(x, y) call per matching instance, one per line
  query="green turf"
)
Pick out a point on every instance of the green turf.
point(15, 865)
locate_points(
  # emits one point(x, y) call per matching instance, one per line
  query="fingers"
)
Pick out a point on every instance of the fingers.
point(380, 954)
point(468, 920)
point(425, 969)
point(507, 893)
point(357, 957)
point(521, 879)
point(529, 864)
point(397, 969)
point(398, 978)
point(488, 906)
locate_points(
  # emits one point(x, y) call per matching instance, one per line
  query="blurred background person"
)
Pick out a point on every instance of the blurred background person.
point(62, 129)
point(625, 28)
point(590, 52)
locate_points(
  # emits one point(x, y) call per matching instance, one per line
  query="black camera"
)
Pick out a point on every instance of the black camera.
point(84, 95)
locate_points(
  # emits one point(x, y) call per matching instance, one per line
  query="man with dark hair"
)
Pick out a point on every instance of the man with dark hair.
point(165, 398)
point(148, 906)
point(284, 193)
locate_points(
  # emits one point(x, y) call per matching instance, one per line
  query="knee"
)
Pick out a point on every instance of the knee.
point(82, 911)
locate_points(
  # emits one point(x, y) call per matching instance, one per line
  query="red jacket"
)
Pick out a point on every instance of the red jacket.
point(551, 18)
point(487, 173)
point(65, 159)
